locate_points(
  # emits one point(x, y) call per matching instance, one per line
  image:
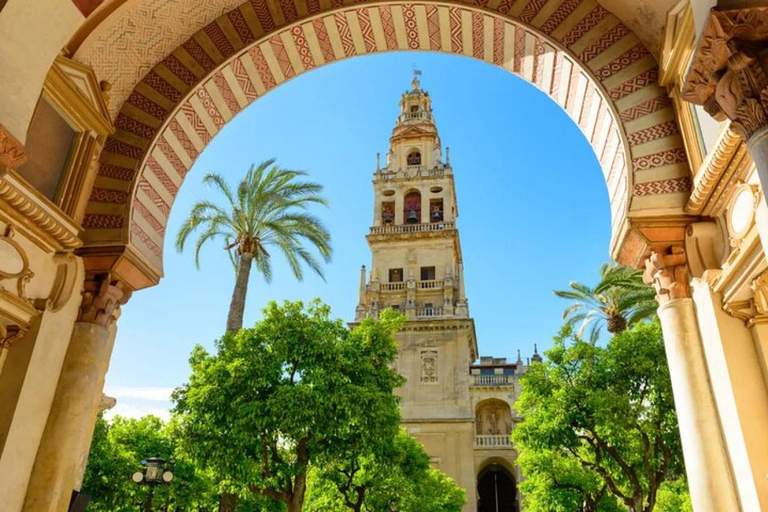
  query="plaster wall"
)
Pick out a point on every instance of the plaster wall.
point(448, 398)
point(449, 445)
point(50, 338)
point(32, 38)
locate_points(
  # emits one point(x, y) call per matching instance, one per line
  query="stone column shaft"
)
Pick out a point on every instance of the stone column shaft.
point(706, 460)
point(740, 394)
point(706, 463)
point(69, 427)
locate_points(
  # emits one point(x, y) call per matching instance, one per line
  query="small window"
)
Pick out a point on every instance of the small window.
point(396, 307)
point(395, 275)
point(429, 309)
point(414, 158)
point(414, 108)
point(427, 273)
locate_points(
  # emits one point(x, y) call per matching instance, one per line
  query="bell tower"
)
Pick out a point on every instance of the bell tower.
point(417, 269)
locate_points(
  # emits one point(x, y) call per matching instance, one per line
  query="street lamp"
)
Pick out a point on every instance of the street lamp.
point(155, 472)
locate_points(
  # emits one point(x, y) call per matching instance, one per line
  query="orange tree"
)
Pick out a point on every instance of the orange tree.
point(599, 423)
point(297, 388)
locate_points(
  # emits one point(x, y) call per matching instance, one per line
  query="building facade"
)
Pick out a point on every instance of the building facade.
point(463, 413)
point(106, 104)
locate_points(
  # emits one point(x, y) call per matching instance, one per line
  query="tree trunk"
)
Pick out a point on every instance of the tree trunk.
point(299, 488)
point(237, 304)
point(227, 502)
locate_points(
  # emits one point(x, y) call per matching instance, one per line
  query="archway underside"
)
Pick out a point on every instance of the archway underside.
point(606, 81)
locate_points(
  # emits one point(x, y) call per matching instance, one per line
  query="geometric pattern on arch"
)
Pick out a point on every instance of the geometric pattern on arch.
point(575, 51)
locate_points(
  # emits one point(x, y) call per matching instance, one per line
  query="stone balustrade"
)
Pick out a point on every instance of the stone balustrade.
point(393, 287)
point(429, 312)
point(412, 228)
point(493, 380)
point(491, 442)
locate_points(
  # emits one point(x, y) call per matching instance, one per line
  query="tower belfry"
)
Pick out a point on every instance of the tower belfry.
point(417, 266)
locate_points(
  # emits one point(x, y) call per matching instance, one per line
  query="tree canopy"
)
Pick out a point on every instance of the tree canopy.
point(598, 421)
point(391, 476)
point(296, 388)
point(116, 453)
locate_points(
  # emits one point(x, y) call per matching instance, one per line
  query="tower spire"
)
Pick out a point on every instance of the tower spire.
point(361, 290)
point(536, 358)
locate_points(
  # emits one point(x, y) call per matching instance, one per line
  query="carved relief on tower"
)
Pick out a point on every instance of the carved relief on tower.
point(429, 366)
point(493, 418)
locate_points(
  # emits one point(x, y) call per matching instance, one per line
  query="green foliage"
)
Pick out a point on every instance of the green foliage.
point(602, 417)
point(116, 453)
point(396, 476)
point(268, 208)
point(674, 497)
point(297, 388)
point(619, 300)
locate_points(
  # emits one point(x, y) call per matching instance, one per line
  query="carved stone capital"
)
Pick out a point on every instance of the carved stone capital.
point(103, 294)
point(667, 270)
point(12, 153)
point(760, 299)
point(728, 72)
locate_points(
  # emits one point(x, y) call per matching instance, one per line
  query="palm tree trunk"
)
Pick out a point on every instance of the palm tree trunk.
point(237, 304)
point(228, 502)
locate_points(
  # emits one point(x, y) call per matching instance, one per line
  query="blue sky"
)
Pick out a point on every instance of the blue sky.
point(533, 205)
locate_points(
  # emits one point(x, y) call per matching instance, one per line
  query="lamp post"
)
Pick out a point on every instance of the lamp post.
point(155, 472)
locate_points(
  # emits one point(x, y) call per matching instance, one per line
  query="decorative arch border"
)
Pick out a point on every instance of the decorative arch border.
point(573, 50)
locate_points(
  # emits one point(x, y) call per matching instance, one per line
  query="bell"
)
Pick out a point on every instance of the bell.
point(437, 215)
point(412, 218)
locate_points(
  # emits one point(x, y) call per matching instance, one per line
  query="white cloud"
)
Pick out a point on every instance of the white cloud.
point(137, 411)
point(154, 394)
point(137, 401)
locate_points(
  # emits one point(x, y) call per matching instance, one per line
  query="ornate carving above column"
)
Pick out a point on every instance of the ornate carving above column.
point(728, 73)
point(667, 270)
point(12, 153)
point(103, 295)
point(760, 299)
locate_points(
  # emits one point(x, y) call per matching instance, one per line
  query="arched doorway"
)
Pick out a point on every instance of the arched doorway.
point(496, 490)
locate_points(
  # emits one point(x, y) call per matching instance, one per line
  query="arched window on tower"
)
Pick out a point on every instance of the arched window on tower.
point(412, 210)
point(414, 158)
point(435, 210)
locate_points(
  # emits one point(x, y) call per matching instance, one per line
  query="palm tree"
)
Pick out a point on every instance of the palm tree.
point(619, 300)
point(268, 210)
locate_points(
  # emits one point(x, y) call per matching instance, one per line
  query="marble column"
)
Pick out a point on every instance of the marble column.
point(70, 422)
point(740, 394)
point(706, 461)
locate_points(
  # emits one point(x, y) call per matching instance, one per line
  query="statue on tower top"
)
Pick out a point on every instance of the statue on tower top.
point(415, 82)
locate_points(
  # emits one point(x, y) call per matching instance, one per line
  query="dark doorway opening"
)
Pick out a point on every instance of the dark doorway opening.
point(496, 490)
